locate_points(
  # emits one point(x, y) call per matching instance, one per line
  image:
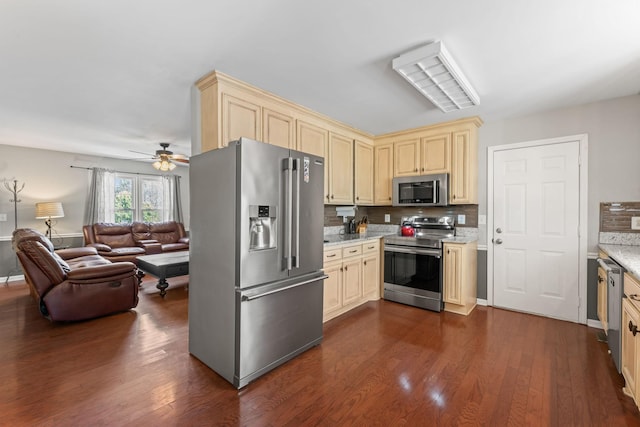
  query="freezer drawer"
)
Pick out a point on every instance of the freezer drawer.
point(276, 324)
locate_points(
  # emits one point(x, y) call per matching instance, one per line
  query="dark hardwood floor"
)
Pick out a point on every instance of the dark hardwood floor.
point(381, 364)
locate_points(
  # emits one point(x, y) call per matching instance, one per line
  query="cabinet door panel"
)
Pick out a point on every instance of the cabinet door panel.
point(435, 152)
point(383, 174)
point(340, 169)
point(363, 173)
point(629, 347)
point(371, 276)
point(239, 118)
point(406, 157)
point(463, 180)
point(352, 281)
point(278, 129)
point(452, 274)
point(313, 139)
point(332, 299)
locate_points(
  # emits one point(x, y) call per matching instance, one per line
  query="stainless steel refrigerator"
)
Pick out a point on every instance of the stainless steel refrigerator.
point(256, 242)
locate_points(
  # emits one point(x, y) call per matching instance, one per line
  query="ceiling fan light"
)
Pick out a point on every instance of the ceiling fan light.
point(172, 166)
point(432, 71)
point(157, 164)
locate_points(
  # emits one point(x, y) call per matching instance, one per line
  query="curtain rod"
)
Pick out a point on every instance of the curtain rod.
point(131, 173)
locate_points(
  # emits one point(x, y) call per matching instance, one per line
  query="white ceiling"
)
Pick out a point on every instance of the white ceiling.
point(106, 77)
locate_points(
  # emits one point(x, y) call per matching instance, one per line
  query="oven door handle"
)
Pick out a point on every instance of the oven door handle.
point(402, 249)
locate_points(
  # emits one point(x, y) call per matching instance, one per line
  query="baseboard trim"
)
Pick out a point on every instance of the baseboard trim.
point(5, 280)
point(482, 302)
point(593, 323)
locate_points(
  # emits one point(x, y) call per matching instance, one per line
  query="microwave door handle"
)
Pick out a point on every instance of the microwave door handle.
point(436, 192)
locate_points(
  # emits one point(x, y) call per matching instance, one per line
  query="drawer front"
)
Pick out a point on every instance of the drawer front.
point(632, 289)
point(177, 270)
point(352, 250)
point(334, 254)
point(371, 246)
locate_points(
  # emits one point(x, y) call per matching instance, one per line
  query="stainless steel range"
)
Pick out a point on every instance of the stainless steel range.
point(413, 261)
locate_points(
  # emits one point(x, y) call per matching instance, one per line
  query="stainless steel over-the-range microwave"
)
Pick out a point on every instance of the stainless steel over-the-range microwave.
point(422, 190)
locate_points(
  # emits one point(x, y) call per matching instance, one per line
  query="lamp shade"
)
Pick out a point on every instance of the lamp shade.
point(49, 210)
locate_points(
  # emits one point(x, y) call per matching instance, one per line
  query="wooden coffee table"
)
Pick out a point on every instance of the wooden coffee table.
point(163, 266)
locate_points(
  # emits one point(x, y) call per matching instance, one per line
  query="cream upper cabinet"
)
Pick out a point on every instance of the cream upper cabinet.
point(240, 118)
point(278, 128)
point(363, 173)
point(340, 169)
point(313, 139)
point(406, 156)
point(464, 168)
point(460, 277)
point(383, 174)
point(435, 153)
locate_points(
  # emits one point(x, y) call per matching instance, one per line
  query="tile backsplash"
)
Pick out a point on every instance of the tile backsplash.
point(376, 214)
point(615, 217)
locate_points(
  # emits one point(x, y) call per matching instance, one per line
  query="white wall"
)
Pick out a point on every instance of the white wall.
point(613, 127)
point(47, 176)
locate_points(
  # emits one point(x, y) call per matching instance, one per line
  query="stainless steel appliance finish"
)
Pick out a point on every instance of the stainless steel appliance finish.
point(413, 265)
point(615, 275)
point(423, 190)
point(255, 289)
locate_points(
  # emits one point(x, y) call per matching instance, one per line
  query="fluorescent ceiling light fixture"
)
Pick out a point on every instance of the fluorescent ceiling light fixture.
point(432, 71)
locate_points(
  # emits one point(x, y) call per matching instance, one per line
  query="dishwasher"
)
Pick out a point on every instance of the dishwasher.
point(614, 307)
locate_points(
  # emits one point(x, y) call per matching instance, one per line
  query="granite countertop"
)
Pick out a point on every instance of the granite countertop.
point(627, 256)
point(339, 239)
point(461, 239)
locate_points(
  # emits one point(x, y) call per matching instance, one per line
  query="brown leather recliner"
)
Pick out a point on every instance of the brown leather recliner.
point(76, 283)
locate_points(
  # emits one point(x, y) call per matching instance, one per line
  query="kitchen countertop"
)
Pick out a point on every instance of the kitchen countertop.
point(627, 256)
point(339, 239)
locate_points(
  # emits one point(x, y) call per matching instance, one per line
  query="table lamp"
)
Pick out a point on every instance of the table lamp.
point(48, 210)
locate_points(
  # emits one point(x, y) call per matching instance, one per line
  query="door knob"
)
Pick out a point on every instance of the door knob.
point(498, 230)
point(498, 241)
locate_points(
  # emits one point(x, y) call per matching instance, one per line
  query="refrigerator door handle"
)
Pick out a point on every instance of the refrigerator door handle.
point(275, 291)
point(296, 259)
point(289, 211)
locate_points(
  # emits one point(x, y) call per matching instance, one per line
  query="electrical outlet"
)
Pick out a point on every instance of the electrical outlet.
point(462, 219)
point(387, 218)
point(482, 219)
point(635, 222)
point(3, 217)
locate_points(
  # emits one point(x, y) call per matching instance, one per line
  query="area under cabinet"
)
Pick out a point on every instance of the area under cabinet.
point(354, 276)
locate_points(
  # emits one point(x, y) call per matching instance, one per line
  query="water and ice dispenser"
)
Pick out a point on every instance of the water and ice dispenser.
point(262, 227)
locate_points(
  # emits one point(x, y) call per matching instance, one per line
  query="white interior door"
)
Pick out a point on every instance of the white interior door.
point(535, 229)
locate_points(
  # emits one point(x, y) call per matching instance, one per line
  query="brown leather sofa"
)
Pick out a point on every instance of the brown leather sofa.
point(125, 242)
point(76, 283)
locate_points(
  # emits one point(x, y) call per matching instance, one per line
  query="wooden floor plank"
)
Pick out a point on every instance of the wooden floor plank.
point(380, 364)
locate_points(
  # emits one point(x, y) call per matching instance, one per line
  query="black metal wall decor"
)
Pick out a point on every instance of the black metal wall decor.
point(14, 190)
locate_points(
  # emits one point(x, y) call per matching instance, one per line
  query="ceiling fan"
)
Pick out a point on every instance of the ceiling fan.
point(164, 159)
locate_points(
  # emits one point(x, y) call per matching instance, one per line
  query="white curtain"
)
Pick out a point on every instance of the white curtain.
point(101, 199)
point(172, 199)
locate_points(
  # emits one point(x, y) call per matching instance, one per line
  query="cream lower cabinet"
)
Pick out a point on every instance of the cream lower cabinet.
point(460, 277)
point(602, 299)
point(631, 336)
point(354, 276)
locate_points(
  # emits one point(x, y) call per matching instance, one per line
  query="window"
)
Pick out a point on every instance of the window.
point(138, 198)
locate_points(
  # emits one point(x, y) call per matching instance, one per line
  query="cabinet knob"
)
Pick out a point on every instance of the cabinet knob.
point(422, 169)
point(357, 198)
point(633, 328)
point(600, 279)
point(365, 263)
point(341, 269)
point(389, 198)
point(415, 170)
point(345, 268)
point(332, 196)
